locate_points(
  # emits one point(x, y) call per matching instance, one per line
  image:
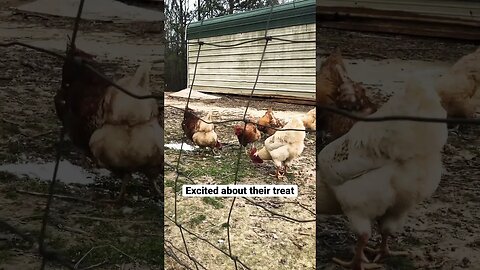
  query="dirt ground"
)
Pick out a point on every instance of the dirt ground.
point(258, 239)
point(128, 237)
point(443, 232)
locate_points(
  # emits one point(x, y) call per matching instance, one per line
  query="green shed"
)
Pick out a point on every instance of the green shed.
point(288, 69)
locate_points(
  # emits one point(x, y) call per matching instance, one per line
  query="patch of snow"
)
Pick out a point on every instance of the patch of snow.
point(67, 172)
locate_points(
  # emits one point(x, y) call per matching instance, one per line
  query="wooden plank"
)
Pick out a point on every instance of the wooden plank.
point(398, 22)
point(413, 28)
point(258, 92)
point(275, 98)
point(453, 10)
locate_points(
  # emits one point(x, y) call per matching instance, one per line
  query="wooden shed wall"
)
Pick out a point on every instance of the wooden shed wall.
point(288, 69)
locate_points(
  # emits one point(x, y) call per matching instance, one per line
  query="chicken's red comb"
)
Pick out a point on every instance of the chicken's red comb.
point(238, 130)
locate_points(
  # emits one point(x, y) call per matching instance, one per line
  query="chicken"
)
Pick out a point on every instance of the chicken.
point(201, 133)
point(118, 132)
point(328, 81)
point(459, 89)
point(282, 147)
point(268, 123)
point(247, 134)
point(310, 120)
point(350, 97)
point(328, 77)
point(381, 170)
point(79, 99)
point(339, 91)
point(131, 138)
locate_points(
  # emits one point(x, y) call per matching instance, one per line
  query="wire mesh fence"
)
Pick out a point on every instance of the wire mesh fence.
point(182, 253)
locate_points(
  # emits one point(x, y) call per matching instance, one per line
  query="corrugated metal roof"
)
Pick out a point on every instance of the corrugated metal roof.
point(290, 14)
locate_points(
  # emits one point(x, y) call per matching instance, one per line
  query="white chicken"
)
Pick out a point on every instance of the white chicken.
point(459, 89)
point(381, 170)
point(130, 138)
point(282, 147)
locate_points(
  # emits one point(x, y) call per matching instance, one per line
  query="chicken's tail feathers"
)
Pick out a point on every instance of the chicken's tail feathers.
point(208, 118)
point(142, 75)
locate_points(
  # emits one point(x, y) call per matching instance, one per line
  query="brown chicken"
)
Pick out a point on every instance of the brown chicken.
point(328, 77)
point(350, 97)
point(282, 147)
point(310, 119)
point(328, 80)
point(79, 99)
point(201, 133)
point(250, 135)
point(118, 132)
point(268, 123)
point(459, 88)
point(339, 91)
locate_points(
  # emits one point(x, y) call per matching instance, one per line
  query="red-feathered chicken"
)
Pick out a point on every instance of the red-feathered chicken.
point(248, 134)
point(201, 133)
point(336, 89)
point(268, 123)
point(350, 97)
point(120, 133)
point(328, 81)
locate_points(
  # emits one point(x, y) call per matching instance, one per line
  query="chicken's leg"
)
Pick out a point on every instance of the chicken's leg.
point(285, 168)
point(454, 129)
point(359, 261)
point(125, 180)
point(280, 173)
point(384, 251)
point(155, 187)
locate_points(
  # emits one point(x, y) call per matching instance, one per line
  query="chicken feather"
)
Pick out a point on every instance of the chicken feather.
point(119, 107)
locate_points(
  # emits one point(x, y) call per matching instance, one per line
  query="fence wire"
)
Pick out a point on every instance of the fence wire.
point(170, 249)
